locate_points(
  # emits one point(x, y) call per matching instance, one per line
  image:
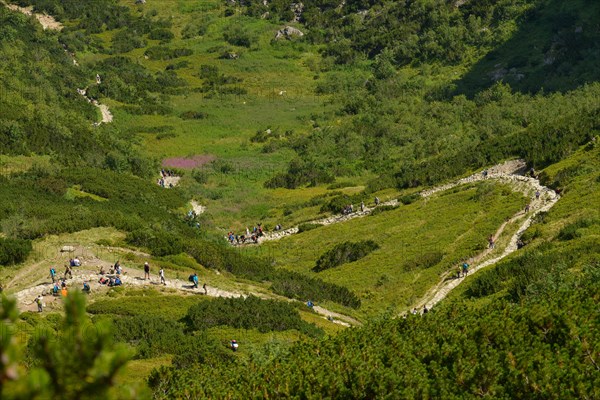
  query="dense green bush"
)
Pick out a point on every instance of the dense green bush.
point(307, 227)
point(381, 209)
point(162, 34)
point(193, 115)
point(571, 231)
point(237, 35)
point(247, 313)
point(166, 53)
point(302, 287)
point(126, 40)
point(409, 198)
point(345, 252)
point(14, 251)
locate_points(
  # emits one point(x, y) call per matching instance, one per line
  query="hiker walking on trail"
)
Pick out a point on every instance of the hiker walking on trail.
point(205, 289)
point(68, 271)
point(53, 274)
point(376, 201)
point(194, 279)
point(161, 273)
point(146, 270)
point(465, 269)
point(537, 194)
point(40, 303)
point(362, 206)
point(491, 241)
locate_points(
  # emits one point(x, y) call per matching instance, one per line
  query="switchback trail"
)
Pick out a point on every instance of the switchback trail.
point(542, 200)
point(510, 173)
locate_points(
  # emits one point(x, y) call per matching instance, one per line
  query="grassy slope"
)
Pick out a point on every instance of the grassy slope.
point(454, 223)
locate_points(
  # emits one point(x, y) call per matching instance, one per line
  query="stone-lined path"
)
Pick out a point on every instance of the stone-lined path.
point(510, 173)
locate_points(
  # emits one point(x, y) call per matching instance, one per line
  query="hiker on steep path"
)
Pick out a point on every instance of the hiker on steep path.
point(194, 279)
point(53, 274)
point(465, 269)
point(491, 243)
point(161, 273)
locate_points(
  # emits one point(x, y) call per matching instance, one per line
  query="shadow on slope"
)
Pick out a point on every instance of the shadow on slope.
point(556, 49)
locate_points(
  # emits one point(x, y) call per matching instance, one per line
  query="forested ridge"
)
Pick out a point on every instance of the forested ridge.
point(373, 99)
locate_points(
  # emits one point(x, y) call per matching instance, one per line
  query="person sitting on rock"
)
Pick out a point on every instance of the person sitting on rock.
point(86, 287)
point(76, 262)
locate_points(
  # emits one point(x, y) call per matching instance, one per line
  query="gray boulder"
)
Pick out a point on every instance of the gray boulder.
point(288, 32)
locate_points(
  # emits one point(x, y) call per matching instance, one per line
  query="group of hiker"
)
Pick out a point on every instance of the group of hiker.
point(415, 311)
point(110, 279)
point(256, 233)
point(349, 208)
point(162, 182)
point(59, 287)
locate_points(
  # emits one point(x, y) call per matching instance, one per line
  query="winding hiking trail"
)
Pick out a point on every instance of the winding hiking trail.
point(49, 23)
point(509, 173)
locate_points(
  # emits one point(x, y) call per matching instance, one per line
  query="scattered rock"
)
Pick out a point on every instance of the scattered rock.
point(297, 9)
point(288, 32)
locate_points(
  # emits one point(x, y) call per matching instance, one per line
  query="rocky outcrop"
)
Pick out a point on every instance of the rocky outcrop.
point(288, 32)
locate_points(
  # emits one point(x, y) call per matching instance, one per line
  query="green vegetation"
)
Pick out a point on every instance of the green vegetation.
point(70, 358)
point(417, 243)
point(248, 313)
point(13, 251)
point(345, 252)
point(375, 99)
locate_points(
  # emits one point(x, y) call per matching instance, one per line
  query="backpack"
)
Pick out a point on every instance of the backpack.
point(191, 278)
